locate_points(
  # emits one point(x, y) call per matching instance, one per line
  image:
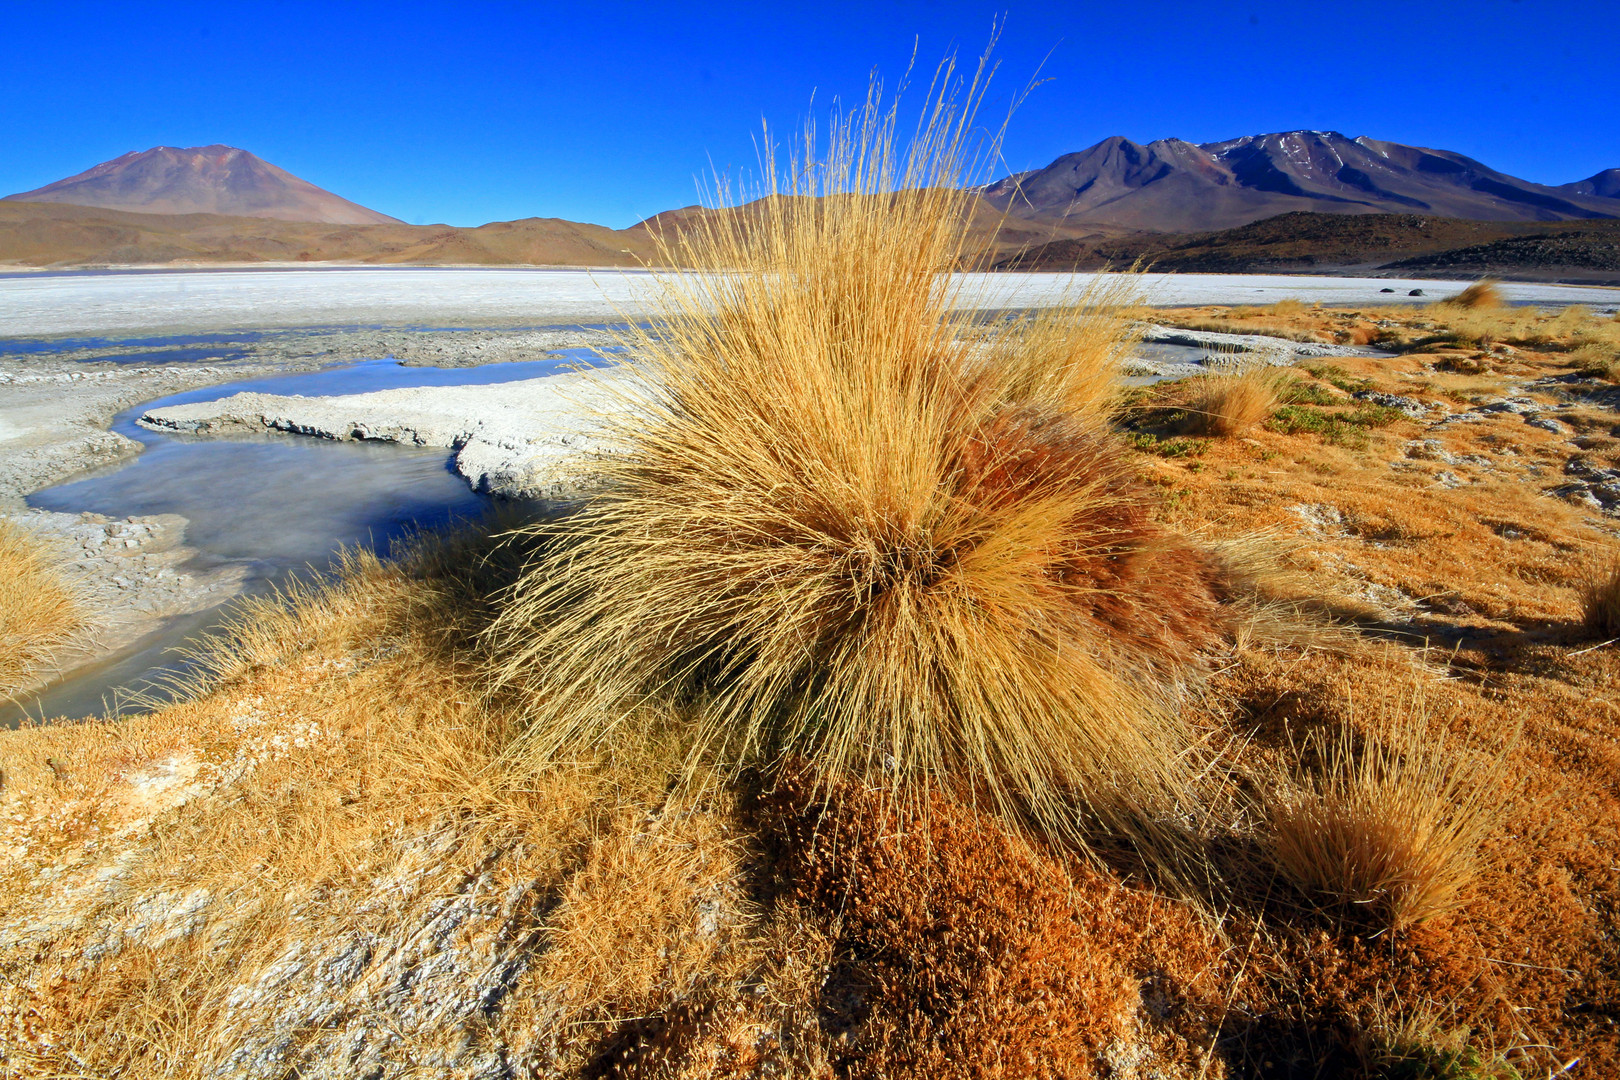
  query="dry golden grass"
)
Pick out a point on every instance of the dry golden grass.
point(1232, 401)
point(844, 524)
point(1390, 823)
point(1597, 359)
point(1484, 323)
point(1600, 599)
point(1481, 294)
point(372, 784)
point(338, 779)
point(39, 610)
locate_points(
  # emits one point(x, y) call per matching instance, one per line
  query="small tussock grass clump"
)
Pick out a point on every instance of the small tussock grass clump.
point(845, 524)
point(1597, 360)
point(1600, 599)
point(39, 611)
point(1389, 825)
point(1232, 401)
point(1478, 317)
point(1484, 294)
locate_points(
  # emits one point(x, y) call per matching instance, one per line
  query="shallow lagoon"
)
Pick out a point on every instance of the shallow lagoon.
point(278, 505)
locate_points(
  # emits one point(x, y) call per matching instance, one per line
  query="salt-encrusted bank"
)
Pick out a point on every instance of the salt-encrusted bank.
point(516, 439)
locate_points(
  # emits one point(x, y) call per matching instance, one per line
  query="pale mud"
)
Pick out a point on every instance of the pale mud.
point(319, 346)
point(129, 575)
point(212, 300)
point(54, 414)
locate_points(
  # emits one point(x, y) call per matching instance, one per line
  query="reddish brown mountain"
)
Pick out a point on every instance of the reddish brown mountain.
point(1174, 186)
point(203, 180)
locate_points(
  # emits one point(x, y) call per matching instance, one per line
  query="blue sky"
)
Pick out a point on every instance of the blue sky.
point(471, 112)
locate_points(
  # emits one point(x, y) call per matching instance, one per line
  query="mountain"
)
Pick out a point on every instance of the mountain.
point(1170, 185)
point(1605, 184)
point(203, 180)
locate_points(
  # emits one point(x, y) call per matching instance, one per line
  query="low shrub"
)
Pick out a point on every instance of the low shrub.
point(1336, 376)
point(1342, 427)
point(1173, 447)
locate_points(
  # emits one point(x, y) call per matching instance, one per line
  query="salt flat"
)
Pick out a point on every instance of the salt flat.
point(101, 303)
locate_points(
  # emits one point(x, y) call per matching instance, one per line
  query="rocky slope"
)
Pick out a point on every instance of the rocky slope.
point(1170, 185)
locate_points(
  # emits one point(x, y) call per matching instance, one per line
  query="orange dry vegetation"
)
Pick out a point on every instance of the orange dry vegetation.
point(337, 831)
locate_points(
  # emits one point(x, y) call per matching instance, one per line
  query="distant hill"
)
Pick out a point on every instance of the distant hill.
point(203, 180)
point(1586, 251)
point(1170, 185)
point(55, 234)
point(49, 234)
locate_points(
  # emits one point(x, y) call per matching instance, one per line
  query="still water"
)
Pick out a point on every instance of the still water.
point(274, 505)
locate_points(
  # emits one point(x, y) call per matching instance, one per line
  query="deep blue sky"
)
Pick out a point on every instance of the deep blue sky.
point(472, 112)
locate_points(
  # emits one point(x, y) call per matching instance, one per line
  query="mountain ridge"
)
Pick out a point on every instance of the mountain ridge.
point(1171, 185)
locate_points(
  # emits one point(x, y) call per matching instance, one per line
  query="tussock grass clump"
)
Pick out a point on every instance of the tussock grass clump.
point(1600, 599)
point(1231, 402)
point(39, 611)
point(1481, 294)
point(842, 524)
point(1389, 824)
point(1597, 360)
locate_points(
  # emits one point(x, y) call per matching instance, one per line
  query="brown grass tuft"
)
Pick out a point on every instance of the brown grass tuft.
point(1596, 359)
point(1231, 402)
point(39, 611)
point(846, 524)
point(1390, 824)
point(1600, 599)
point(1481, 294)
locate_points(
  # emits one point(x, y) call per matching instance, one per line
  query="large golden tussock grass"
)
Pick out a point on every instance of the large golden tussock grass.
point(1390, 824)
point(39, 610)
point(844, 523)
